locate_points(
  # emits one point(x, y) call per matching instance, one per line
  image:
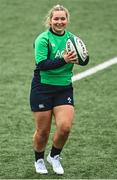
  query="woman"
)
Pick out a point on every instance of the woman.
point(51, 89)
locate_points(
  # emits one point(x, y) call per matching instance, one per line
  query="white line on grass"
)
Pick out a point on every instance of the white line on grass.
point(94, 69)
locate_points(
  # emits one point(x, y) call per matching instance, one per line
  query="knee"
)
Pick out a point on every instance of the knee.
point(65, 130)
point(41, 134)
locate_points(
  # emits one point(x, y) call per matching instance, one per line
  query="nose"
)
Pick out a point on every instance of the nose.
point(59, 20)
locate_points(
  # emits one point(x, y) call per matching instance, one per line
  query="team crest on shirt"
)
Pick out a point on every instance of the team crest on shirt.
point(69, 100)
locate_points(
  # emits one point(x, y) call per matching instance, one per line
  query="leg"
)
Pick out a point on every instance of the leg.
point(43, 126)
point(63, 117)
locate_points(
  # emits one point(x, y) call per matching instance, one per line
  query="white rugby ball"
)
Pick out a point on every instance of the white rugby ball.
point(74, 43)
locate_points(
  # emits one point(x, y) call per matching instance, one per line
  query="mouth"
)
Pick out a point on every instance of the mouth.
point(60, 27)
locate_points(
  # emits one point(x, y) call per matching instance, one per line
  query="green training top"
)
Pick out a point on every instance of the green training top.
point(56, 43)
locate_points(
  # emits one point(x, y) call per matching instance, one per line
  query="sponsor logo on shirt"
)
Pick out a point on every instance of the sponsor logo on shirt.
point(53, 45)
point(59, 54)
point(41, 106)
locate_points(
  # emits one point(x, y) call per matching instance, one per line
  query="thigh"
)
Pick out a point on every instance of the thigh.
point(43, 120)
point(64, 115)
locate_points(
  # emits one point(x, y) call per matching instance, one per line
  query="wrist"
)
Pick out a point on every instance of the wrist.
point(62, 59)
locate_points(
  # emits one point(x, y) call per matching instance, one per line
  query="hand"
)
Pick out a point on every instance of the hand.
point(70, 57)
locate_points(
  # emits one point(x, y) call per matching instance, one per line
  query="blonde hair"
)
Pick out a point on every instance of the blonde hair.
point(50, 14)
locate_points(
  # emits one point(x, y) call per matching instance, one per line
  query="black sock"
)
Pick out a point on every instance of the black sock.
point(55, 151)
point(39, 155)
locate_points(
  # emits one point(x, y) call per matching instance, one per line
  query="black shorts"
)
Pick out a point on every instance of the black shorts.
point(46, 97)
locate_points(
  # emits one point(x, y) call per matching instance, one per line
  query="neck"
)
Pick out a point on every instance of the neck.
point(57, 33)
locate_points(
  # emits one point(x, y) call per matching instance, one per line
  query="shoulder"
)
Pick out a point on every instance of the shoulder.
point(41, 39)
point(68, 33)
point(43, 35)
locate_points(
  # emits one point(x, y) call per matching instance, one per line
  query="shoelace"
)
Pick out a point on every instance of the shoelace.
point(57, 161)
point(41, 164)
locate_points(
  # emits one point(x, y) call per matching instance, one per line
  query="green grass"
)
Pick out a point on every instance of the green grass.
point(90, 152)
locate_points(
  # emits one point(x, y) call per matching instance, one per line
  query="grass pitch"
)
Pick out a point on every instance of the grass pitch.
point(90, 152)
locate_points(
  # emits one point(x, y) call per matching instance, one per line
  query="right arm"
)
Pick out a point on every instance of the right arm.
point(42, 60)
point(48, 64)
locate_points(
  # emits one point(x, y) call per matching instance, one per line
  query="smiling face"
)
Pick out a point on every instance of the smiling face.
point(58, 22)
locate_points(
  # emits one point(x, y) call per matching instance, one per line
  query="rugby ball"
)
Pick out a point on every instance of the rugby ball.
point(74, 43)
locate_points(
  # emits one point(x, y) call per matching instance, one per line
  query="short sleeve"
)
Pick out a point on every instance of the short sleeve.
point(41, 48)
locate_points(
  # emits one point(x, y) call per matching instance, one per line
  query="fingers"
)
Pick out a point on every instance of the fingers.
point(70, 57)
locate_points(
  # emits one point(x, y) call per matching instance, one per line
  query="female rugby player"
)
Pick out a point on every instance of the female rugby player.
point(51, 89)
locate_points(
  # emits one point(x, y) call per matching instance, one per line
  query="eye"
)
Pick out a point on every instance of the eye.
point(56, 18)
point(63, 18)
